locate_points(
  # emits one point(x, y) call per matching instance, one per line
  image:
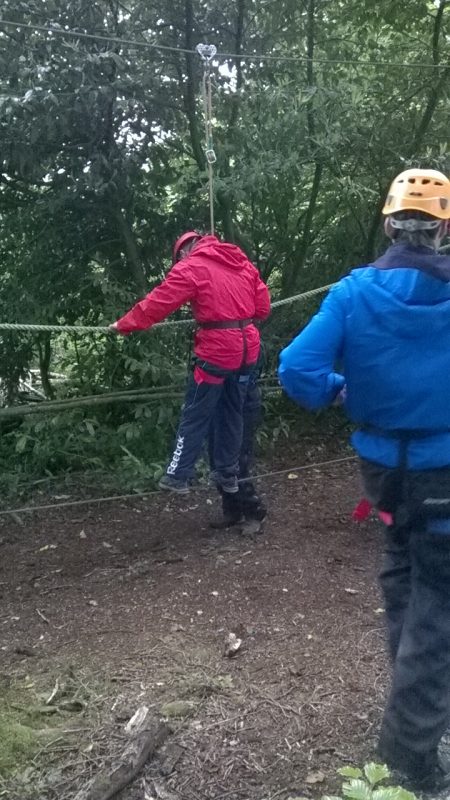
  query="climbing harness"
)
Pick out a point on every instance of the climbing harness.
point(207, 53)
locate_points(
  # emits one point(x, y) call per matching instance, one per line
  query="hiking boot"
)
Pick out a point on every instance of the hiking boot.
point(423, 773)
point(251, 527)
point(435, 781)
point(171, 484)
point(226, 521)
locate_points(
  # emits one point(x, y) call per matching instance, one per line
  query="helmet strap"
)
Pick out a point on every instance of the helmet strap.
point(412, 224)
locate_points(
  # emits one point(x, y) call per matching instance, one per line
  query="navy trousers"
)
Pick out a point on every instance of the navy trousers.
point(203, 403)
point(415, 581)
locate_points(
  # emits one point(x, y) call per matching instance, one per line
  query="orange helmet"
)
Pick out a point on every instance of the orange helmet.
point(183, 240)
point(425, 190)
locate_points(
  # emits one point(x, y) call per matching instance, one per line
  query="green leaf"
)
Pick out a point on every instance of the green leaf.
point(392, 793)
point(376, 773)
point(21, 443)
point(350, 772)
point(90, 427)
point(357, 790)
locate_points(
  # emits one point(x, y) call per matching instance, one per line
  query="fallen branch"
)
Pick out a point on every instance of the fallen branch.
point(147, 737)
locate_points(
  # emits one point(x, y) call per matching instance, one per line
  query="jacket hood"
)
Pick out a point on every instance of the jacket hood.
point(422, 258)
point(403, 298)
point(227, 255)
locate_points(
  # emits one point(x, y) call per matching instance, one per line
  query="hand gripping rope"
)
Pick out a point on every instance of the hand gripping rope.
point(207, 53)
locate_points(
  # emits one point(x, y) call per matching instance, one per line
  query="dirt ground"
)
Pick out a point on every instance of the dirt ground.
point(134, 601)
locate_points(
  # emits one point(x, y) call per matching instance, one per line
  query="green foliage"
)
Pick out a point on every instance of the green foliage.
point(129, 454)
point(375, 773)
point(350, 772)
point(364, 784)
point(23, 731)
point(18, 742)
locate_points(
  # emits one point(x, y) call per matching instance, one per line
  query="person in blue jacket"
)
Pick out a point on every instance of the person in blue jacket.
point(387, 325)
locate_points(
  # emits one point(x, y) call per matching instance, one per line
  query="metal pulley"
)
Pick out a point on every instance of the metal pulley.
point(206, 51)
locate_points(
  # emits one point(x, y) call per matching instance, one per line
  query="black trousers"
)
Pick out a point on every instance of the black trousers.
point(415, 581)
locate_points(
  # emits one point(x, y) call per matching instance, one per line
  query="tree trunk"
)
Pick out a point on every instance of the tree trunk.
point(224, 201)
point(190, 90)
point(291, 279)
point(131, 250)
point(302, 250)
point(45, 354)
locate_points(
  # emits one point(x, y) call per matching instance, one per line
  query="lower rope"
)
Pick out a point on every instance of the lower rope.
point(135, 496)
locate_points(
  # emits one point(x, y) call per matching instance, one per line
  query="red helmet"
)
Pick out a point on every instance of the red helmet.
point(182, 240)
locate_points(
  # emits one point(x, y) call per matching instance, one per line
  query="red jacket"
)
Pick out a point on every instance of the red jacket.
point(220, 283)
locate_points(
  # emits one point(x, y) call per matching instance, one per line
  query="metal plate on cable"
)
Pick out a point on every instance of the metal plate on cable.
point(206, 51)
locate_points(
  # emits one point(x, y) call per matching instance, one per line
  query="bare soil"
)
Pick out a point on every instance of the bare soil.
point(135, 600)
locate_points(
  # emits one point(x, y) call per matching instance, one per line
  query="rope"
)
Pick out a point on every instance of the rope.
point(132, 396)
point(92, 400)
point(15, 326)
point(207, 53)
point(302, 296)
point(52, 506)
point(59, 31)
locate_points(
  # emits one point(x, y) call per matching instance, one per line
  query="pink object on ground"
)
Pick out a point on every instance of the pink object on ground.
point(363, 509)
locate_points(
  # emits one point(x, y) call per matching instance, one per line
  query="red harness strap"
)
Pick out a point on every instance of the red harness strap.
point(363, 509)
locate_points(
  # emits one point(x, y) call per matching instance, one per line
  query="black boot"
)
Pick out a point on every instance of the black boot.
point(436, 781)
point(231, 511)
point(423, 772)
point(226, 521)
point(251, 526)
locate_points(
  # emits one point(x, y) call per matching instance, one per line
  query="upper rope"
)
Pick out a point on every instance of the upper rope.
point(25, 327)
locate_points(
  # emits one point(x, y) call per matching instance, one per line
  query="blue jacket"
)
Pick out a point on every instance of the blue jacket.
point(387, 326)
